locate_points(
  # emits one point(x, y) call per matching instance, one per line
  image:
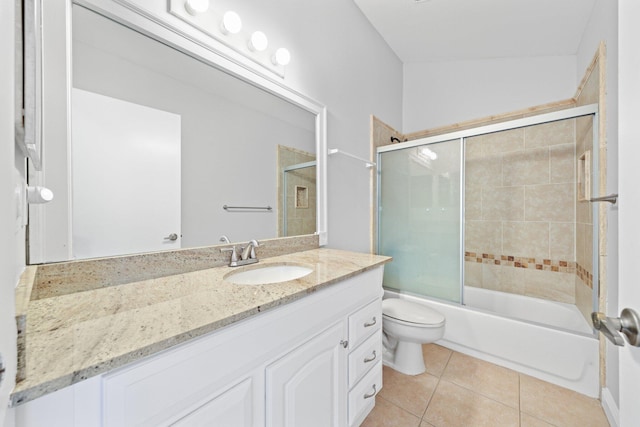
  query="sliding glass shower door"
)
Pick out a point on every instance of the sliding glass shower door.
point(420, 218)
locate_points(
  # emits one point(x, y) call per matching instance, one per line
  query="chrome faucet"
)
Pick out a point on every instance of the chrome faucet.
point(249, 251)
point(247, 256)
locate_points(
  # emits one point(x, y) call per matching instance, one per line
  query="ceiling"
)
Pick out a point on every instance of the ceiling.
point(431, 30)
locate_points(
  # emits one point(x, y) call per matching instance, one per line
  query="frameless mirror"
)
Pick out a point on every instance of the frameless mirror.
point(167, 151)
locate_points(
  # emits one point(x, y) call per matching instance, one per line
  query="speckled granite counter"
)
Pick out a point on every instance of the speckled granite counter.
point(78, 335)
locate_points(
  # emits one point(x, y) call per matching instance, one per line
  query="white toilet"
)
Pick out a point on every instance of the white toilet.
point(406, 326)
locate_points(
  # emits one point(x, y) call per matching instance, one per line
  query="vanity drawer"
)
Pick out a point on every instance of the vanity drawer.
point(365, 357)
point(363, 396)
point(364, 322)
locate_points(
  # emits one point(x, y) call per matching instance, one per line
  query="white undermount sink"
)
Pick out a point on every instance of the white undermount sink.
point(266, 274)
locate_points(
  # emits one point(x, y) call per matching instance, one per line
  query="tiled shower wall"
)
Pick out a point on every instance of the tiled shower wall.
point(520, 221)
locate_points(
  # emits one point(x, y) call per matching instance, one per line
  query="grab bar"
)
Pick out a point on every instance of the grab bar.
point(262, 208)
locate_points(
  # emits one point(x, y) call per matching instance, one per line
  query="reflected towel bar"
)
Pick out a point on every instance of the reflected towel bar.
point(261, 208)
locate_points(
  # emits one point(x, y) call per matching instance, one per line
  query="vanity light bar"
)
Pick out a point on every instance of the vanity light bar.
point(227, 28)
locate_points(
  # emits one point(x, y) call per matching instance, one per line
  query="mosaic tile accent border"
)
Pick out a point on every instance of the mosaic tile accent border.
point(560, 266)
point(585, 275)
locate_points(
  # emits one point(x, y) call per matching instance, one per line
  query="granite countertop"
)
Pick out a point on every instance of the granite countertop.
point(79, 335)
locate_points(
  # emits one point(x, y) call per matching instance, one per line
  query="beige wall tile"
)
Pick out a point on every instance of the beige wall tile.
point(526, 239)
point(584, 214)
point(473, 274)
point(562, 241)
point(550, 285)
point(495, 382)
point(473, 148)
point(502, 142)
point(559, 406)
point(503, 278)
point(591, 90)
point(584, 134)
point(473, 203)
point(453, 405)
point(584, 298)
point(588, 247)
point(526, 167)
point(580, 246)
point(503, 203)
point(483, 237)
point(562, 160)
point(552, 202)
point(547, 134)
point(484, 171)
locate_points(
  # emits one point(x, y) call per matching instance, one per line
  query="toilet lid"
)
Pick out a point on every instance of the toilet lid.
point(408, 311)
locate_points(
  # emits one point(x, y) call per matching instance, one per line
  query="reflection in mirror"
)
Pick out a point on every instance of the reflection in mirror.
point(162, 141)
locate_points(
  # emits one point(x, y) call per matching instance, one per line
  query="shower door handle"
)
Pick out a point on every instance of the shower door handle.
point(628, 323)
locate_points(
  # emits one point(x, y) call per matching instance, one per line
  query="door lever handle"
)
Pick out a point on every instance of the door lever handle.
point(628, 323)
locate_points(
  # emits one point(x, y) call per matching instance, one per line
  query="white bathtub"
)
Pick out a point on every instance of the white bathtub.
point(551, 313)
point(568, 359)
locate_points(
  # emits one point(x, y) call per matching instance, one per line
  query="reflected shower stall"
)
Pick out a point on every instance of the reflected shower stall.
point(495, 223)
point(296, 192)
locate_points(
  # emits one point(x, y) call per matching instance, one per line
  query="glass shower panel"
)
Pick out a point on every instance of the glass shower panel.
point(420, 219)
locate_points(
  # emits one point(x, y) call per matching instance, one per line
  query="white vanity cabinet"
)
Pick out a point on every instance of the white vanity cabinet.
point(302, 364)
point(307, 386)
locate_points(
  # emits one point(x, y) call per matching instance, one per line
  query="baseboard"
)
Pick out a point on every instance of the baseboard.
point(610, 408)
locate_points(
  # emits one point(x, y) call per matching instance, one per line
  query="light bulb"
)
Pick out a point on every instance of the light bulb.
point(258, 41)
point(281, 57)
point(231, 23)
point(195, 7)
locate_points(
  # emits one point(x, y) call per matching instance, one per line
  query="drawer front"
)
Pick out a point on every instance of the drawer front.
point(362, 397)
point(364, 323)
point(363, 358)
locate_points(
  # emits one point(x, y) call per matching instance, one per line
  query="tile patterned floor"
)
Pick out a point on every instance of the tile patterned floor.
point(461, 391)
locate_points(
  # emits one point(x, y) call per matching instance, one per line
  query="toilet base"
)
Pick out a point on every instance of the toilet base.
point(407, 358)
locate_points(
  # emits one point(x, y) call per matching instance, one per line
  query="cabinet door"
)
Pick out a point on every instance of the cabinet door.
point(308, 386)
point(233, 407)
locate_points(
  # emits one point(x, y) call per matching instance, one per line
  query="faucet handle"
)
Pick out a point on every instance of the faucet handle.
point(234, 254)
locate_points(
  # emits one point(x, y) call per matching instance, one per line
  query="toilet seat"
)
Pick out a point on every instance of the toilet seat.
point(412, 313)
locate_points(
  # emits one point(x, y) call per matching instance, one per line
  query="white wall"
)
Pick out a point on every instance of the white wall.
point(341, 61)
point(603, 26)
point(11, 234)
point(445, 92)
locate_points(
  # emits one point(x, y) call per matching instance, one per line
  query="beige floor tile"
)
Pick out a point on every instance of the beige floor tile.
point(559, 406)
point(492, 381)
point(455, 406)
point(529, 421)
point(411, 393)
point(386, 414)
point(435, 358)
point(426, 424)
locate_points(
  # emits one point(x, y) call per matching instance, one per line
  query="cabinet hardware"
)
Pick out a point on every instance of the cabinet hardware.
point(366, 325)
point(370, 395)
point(372, 358)
point(172, 237)
point(344, 343)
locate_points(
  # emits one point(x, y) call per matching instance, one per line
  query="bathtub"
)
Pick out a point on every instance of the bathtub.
point(551, 352)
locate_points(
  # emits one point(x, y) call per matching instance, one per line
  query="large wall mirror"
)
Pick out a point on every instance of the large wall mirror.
point(153, 141)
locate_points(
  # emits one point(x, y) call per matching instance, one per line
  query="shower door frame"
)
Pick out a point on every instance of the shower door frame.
point(569, 113)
